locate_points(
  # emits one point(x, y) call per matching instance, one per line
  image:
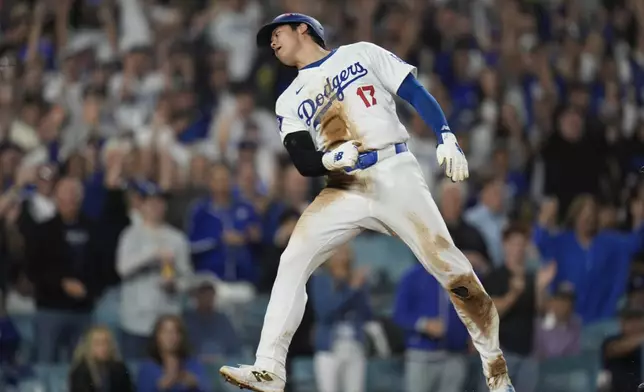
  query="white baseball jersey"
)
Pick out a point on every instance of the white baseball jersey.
point(365, 78)
point(389, 197)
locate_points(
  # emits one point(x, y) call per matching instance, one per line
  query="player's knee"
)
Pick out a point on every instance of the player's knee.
point(469, 291)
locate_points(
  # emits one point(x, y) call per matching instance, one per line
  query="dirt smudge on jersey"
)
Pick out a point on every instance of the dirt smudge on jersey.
point(473, 304)
point(337, 128)
point(431, 245)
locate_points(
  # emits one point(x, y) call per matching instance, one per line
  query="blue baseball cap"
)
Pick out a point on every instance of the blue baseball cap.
point(264, 34)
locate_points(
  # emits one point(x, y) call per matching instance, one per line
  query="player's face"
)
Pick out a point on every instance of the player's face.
point(285, 43)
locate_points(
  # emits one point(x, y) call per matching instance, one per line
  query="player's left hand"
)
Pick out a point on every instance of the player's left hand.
point(449, 153)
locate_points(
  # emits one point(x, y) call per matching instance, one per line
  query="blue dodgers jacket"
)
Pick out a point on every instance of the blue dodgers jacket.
point(334, 304)
point(599, 273)
point(206, 227)
point(420, 297)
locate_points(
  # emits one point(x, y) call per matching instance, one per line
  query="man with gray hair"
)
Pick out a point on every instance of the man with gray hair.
point(60, 265)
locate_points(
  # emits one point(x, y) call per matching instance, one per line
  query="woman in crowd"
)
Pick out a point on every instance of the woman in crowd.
point(97, 366)
point(171, 367)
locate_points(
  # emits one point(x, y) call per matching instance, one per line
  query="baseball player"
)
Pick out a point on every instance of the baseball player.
point(338, 119)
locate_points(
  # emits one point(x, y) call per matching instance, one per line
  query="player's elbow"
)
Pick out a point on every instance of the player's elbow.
point(306, 171)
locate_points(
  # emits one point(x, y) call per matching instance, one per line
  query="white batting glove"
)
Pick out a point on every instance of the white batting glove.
point(342, 157)
point(450, 154)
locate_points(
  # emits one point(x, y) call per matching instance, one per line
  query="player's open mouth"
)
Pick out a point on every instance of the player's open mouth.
point(277, 49)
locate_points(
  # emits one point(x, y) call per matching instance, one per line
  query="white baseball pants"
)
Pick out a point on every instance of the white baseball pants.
point(389, 197)
point(342, 369)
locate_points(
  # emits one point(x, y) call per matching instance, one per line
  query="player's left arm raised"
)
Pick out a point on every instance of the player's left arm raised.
point(400, 79)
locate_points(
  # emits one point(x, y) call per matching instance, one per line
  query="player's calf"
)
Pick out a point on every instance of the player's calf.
point(478, 313)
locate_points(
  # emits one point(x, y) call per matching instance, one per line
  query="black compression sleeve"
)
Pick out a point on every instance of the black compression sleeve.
point(307, 160)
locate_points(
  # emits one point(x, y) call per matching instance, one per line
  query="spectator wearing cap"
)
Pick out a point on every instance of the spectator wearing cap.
point(518, 294)
point(61, 262)
point(153, 260)
point(221, 230)
point(435, 338)
point(210, 330)
point(194, 190)
point(558, 332)
point(598, 293)
point(622, 353)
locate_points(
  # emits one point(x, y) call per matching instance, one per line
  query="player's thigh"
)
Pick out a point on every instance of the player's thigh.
point(331, 220)
point(415, 218)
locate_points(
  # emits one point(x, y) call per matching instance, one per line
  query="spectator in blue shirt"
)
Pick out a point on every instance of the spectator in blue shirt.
point(222, 230)
point(210, 330)
point(596, 262)
point(435, 337)
point(489, 217)
point(171, 368)
point(341, 306)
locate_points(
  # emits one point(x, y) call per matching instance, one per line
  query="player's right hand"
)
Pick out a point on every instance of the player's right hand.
point(449, 153)
point(345, 156)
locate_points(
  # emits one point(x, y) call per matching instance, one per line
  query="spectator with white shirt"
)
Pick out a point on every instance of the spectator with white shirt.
point(489, 217)
point(153, 260)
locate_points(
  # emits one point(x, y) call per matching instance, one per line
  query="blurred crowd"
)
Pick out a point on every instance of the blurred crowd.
point(145, 198)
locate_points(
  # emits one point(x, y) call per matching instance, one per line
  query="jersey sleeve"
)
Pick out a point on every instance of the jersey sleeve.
point(390, 69)
point(287, 121)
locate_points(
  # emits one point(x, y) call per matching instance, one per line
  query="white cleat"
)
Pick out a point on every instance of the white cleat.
point(500, 383)
point(252, 378)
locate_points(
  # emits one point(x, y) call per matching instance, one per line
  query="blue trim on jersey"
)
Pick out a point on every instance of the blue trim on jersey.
point(425, 104)
point(320, 61)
